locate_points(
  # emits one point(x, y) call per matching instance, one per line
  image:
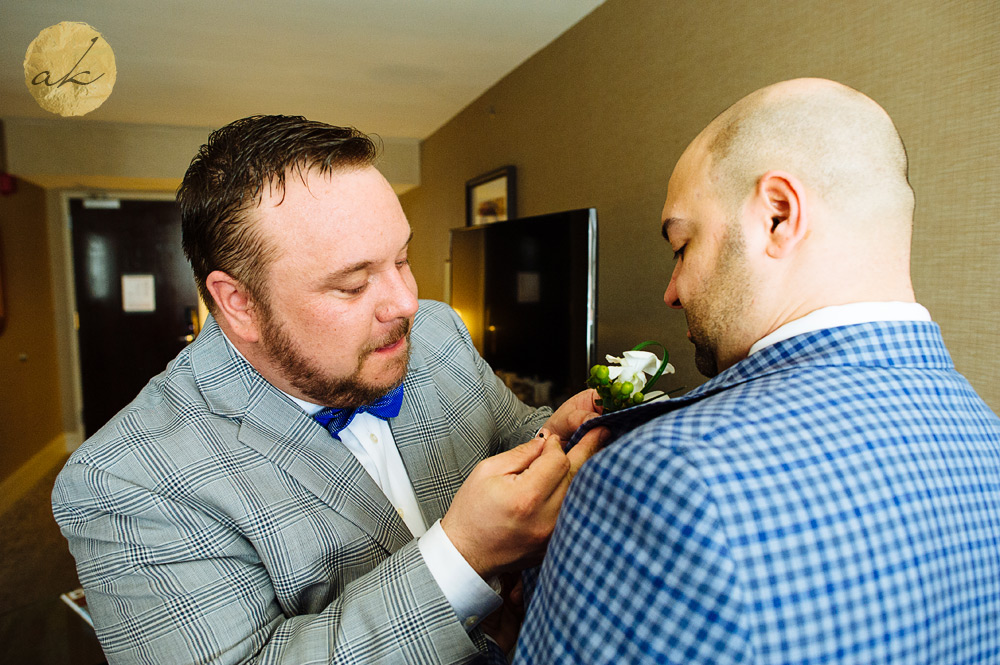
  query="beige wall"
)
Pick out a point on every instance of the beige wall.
point(30, 403)
point(599, 117)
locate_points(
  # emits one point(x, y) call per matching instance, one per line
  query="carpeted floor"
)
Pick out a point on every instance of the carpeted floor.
point(36, 627)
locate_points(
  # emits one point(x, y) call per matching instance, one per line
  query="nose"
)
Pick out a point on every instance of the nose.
point(400, 297)
point(670, 295)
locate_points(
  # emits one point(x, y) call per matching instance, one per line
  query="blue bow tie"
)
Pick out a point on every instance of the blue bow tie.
point(385, 407)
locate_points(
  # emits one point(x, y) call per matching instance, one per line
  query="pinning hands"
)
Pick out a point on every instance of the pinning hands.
point(503, 515)
point(575, 411)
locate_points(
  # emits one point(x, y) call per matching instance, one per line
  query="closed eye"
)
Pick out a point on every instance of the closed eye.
point(355, 291)
point(679, 252)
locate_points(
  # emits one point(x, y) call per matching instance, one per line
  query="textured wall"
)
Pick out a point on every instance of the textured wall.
point(599, 117)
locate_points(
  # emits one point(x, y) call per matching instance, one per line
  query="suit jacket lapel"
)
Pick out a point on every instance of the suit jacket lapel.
point(280, 431)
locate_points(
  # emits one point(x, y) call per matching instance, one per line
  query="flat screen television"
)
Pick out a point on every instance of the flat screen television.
point(527, 291)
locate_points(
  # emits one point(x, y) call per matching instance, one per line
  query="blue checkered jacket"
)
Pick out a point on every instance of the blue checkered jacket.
point(834, 498)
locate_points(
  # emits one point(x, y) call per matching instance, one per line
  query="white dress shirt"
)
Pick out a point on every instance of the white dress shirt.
point(370, 440)
point(844, 315)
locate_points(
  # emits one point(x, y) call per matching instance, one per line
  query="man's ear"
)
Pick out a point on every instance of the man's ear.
point(779, 210)
point(234, 305)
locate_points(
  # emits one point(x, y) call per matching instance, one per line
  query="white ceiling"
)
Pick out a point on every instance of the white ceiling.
point(398, 68)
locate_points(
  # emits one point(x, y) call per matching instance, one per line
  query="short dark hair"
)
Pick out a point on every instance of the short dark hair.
point(226, 179)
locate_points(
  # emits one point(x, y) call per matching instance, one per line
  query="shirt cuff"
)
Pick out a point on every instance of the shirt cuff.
point(472, 598)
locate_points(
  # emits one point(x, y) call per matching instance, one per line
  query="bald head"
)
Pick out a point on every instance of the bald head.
point(794, 199)
point(838, 142)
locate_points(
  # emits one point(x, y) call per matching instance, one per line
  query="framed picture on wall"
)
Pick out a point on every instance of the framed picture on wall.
point(491, 197)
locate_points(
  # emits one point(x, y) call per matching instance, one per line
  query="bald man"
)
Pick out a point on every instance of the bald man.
point(832, 495)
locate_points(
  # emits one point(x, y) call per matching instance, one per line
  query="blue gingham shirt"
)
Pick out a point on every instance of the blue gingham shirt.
point(833, 498)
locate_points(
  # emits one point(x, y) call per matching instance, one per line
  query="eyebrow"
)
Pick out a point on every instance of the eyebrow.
point(335, 277)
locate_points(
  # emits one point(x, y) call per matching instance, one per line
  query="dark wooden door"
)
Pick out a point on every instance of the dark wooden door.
point(135, 297)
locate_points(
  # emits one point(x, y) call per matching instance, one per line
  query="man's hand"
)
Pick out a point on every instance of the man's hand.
point(503, 515)
point(572, 413)
point(575, 411)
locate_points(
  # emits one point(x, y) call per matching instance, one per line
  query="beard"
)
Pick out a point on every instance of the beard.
point(721, 304)
point(315, 382)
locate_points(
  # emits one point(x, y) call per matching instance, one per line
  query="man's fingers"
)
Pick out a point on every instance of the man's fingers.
point(516, 459)
point(585, 399)
point(572, 413)
point(547, 471)
point(590, 443)
point(578, 418)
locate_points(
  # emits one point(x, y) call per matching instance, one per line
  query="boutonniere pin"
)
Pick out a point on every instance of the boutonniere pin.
point(622, 382)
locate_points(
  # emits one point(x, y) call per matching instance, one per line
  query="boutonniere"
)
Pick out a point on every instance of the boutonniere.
point(622, 383)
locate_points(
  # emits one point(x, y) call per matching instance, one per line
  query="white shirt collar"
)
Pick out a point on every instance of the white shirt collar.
point(844, 315)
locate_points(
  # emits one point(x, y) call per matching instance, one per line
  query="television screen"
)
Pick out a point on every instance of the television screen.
point(527, 291)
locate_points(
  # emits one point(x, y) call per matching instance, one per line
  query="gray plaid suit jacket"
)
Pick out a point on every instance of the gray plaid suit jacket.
point(213, 521)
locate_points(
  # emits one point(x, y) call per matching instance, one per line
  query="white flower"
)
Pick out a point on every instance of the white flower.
point(634, 367)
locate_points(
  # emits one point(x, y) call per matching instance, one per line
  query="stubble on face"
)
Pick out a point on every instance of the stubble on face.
point(315, 382)
point(720, 304)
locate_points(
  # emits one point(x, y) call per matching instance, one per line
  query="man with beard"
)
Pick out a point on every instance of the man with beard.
point(830, 496)
point(330, 472)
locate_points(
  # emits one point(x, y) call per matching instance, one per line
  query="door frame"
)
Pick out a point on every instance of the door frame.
point(64, 298)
